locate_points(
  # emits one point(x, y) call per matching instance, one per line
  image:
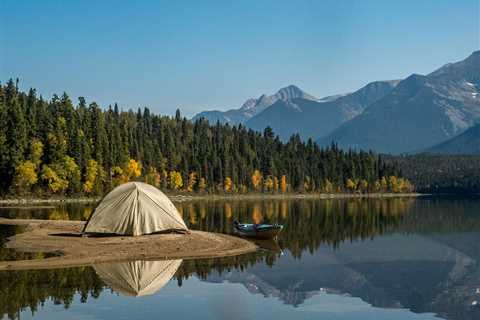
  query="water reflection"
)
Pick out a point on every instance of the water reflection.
point(71, 211)
point(308, 223)
point(7, 254)
point(28, 290)
point(137, 278)
point(420, 255)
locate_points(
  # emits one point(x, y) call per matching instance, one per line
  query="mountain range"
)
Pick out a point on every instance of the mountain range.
point(418, 113)
point(253, 106)
point(316, 118)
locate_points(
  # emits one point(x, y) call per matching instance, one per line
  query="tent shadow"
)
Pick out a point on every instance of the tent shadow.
point(109, 235)
point(66, 234)
point(85, 235)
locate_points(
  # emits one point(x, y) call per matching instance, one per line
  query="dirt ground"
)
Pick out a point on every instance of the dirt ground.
point(65, 237)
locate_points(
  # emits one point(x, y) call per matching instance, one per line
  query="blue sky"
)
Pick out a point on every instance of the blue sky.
point(200, 55)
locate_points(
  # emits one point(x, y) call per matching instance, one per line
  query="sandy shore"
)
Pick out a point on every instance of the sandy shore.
point(64, 237)
point(195, 197)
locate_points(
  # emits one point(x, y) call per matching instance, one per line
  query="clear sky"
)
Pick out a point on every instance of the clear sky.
point(200, 55)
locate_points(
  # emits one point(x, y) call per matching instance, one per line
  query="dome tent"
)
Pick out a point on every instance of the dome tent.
point(134, 209)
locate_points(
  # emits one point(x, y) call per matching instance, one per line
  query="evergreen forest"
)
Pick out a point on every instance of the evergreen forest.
point(58, 147)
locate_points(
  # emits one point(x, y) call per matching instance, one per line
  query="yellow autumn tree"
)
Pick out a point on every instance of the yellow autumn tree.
point(256, 180)
point(132, 170)
point(129, 171)
point(283, 184)
point(117, 175)
point(393, 184)
point(404, 185)
point(71, 172)
point(25, 176)
point(228, 185)
point(268, 184)
point(192, 181)
point(36, 152)
point(54, 182)
point(92, 176)
point(175, 180)
point(363, 186)
point(351, 185)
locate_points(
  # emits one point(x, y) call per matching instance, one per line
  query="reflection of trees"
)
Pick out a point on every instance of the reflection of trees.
point(205, 267)
point(71, 211)
point(440, 215)
point(11, 254)
point(20, 290)
point(308, 223)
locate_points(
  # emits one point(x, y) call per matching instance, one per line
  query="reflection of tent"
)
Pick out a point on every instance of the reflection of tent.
point(134, 208)
point(137, 278)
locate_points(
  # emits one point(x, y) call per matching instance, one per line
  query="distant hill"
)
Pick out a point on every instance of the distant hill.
point(467, 143)
point(313, 119)
point(420, 112)
point(252, 106)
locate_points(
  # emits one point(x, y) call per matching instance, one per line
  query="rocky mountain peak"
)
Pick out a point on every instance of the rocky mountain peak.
point(293, 92)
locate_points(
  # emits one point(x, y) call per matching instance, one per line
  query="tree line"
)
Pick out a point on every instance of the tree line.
point(55, 147)
point(437, 173)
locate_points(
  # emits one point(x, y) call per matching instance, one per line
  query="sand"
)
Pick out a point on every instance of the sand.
point(64, 237)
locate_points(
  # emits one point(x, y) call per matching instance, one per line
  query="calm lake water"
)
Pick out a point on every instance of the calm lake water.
point(336, 259)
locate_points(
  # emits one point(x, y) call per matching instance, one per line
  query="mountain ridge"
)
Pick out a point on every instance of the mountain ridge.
point(252, 106)
point(466, 143)
point(312, 119)
point(422, 111)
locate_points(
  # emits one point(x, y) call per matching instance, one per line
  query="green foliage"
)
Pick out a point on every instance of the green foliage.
point(86, 149)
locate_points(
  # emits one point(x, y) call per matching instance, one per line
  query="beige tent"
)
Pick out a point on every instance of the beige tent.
point(134, 209)
point(137, 278)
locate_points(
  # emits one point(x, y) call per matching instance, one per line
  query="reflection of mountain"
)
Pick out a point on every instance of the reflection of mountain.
point(421, 254)
point(137, 278)
point(420, 273)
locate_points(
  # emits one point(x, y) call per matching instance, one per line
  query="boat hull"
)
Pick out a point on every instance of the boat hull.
point(262, 232)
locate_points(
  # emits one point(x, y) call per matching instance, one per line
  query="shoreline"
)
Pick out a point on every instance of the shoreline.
point(65, 237)
point(194, 197)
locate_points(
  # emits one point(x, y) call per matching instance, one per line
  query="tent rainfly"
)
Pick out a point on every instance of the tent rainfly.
point(134, 209)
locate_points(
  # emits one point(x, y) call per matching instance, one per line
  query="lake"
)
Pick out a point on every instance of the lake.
point(401, 258)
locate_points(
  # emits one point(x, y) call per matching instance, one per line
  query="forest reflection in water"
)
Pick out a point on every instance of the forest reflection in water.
point(312, 227)
point(308, 223)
